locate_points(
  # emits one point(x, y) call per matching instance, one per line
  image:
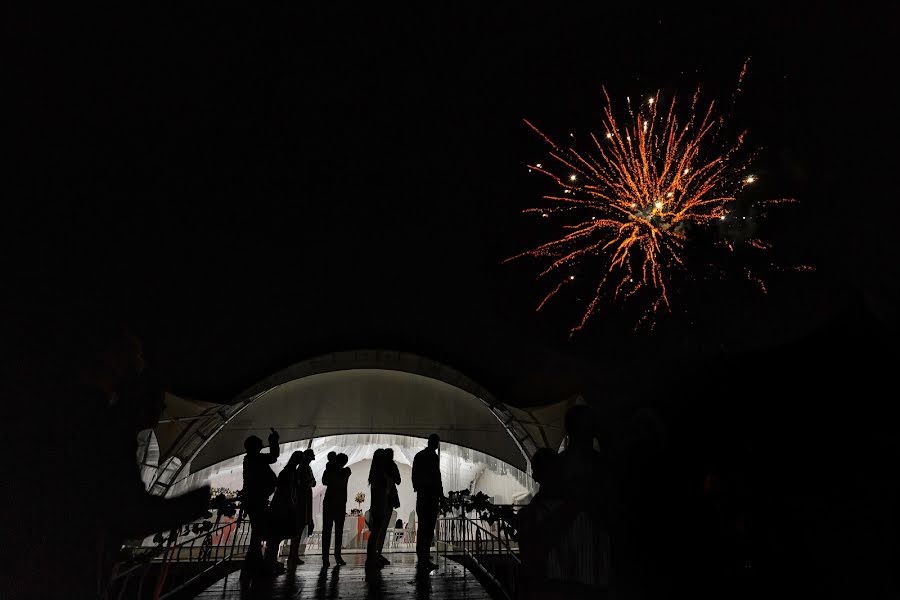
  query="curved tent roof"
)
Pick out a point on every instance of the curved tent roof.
point(356, 392)
point(365, 401)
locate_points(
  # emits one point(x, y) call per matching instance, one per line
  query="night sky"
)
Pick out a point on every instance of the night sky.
point(263, 185)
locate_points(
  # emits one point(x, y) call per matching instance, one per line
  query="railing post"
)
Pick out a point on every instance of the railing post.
point(164, 568)
point(465, 527)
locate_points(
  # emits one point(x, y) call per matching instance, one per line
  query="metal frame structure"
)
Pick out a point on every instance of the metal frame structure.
point(148, 572)
point(471, 542)
point(202, 429)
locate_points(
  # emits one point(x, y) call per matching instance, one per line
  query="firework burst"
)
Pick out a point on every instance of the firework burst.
point(635, 196)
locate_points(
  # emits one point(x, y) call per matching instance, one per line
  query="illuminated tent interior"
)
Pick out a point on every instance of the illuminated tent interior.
point(461, 468)
point(354, 402)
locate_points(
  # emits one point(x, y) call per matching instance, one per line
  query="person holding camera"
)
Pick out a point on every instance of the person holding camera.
point(260, 482)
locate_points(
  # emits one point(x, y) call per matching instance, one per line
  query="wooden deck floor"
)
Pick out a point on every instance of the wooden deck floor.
point(395, 581)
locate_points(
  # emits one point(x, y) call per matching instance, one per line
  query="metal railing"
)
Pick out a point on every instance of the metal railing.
point(165, 570)
point(482, 547)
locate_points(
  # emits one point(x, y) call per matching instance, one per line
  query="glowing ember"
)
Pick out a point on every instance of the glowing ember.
point(636, 196)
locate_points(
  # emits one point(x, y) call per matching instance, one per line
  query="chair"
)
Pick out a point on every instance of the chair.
point(391, 530)
point(314, 539)
point(411, 528)
point(389, 536)
point(409, 532)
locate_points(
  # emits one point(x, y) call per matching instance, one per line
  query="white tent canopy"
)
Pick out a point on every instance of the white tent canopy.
point(361, 392)
point(366, 401)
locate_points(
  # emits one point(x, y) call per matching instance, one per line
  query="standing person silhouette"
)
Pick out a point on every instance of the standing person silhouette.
point(334, 506)
point(97, 408)
point(585, 543)
point(284, 507)
point(380, 508)
point(541, 525)
point(259, 483)
point(305, 482)
point(392, 473)
point(426, 480)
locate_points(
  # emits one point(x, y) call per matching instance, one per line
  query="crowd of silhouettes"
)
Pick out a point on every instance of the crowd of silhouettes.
point(289, 513)
point(111, 396)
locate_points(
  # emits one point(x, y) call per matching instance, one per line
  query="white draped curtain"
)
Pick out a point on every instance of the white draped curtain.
point(461, 468)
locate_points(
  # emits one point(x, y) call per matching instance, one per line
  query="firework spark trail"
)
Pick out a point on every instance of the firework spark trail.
point(638, 190)
point(740, 82)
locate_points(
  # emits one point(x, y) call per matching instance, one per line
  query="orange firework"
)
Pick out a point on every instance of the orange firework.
point(636, 193)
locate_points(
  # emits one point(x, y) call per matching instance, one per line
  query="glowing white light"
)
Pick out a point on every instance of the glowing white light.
point(571, 277)
point(658, 205)
point(608, 135)
point(544, 215)
point(669, 195)
point(571, 177)
point(722, 218)
point(686, 171)
point(750, 179)
point(650, 101)
point(633, 205)
point(538, 165)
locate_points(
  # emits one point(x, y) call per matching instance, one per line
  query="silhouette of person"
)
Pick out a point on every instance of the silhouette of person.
point(334, 506)
point(380, 507)
point(135, 514)
point(95, 418)
point(426, 480)
point(540, 525)
point(308, 483)
point(305, 482)
point(584, 547)
point(259, 483)
point(284, 507)
point(392, 473)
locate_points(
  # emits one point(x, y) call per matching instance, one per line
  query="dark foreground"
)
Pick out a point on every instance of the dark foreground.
point(400, 579)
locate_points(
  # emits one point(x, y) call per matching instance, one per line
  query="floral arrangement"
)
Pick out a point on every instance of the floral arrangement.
point(360, 498)
point(227, 492)
point(463, 501)
point(225, 503)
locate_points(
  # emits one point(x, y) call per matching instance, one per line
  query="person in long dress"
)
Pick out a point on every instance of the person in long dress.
point(284, 506)
point(585, 545)
point(334, 506)
point(392, 474)
point(380, 507)
point(541, 525)
point(304, 482)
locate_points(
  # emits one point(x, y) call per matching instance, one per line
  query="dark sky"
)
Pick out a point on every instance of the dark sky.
point(263, 185)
